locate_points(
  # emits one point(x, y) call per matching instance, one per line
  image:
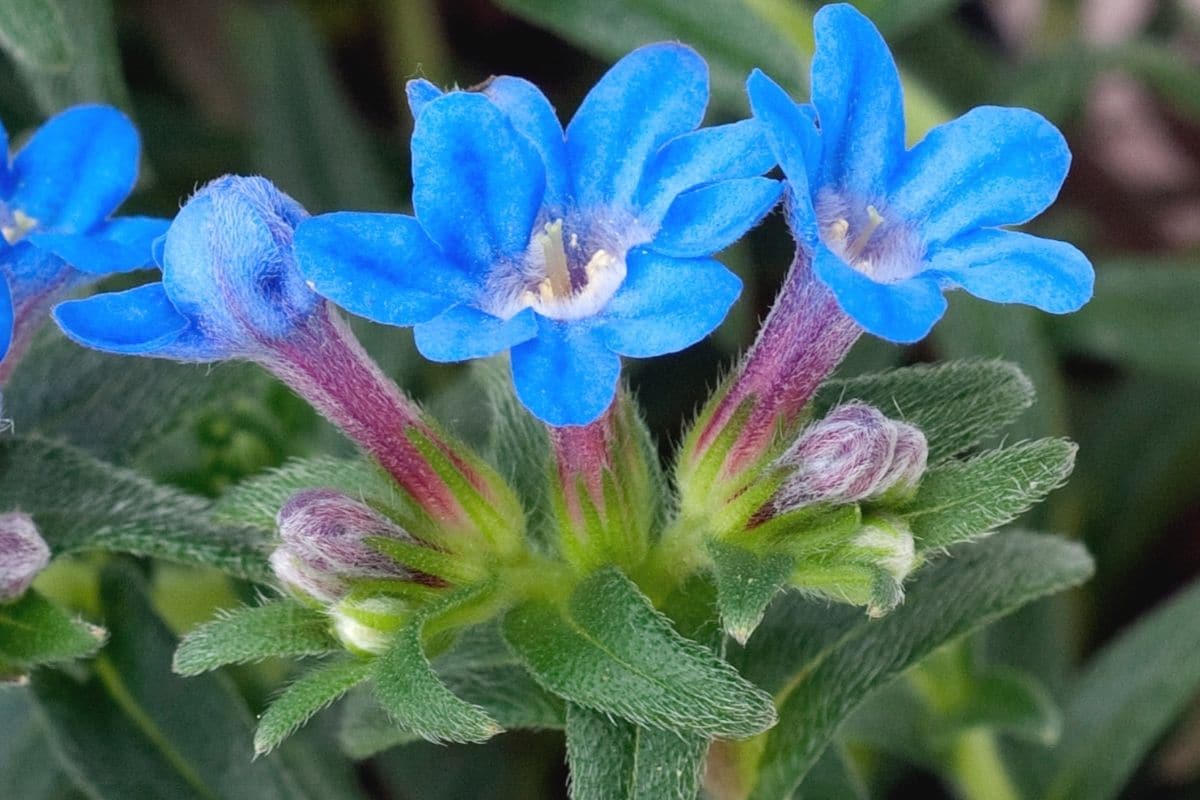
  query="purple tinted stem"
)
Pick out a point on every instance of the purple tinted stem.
point(583, 452)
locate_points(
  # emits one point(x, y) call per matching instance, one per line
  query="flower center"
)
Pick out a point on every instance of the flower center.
point(883, 249)
point(569, 287)
point(17, 225)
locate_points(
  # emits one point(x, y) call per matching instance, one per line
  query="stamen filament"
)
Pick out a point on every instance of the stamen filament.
point(556, 261)
point(874, 220)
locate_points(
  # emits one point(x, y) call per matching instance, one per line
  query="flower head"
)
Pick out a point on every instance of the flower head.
point(56, 196)
point(571, 249)
point(887, 229)
point(229, 284)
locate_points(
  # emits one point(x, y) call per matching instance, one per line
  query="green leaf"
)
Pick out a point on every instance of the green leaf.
point(249, 634)
point(81, 504)
point(746, 583)
point(130, 728)
point(1011, 701)
point(33, 33)
point(820, 662)
point(257, 501)
point(415, 697)
point(28, 771)
point(34, 631)
point(304, 697)
point(961, 500)
point(366, 729)
point(616, 760)
point(731, 36)
point(308, 138)
point(608, 649)
point(957, 404)
point(1123, 702)
point(897, 19)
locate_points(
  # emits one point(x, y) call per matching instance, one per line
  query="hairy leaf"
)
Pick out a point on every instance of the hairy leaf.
point(746, 583)
point(277, 628)
point(304, 697)
point(34, 631)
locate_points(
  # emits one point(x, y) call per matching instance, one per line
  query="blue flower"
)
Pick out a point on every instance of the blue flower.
point(569, 249)
point(229, 288)
point(56, 196)
point(888, 229)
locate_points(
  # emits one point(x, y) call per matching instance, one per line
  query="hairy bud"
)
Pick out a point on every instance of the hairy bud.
point(23, 554)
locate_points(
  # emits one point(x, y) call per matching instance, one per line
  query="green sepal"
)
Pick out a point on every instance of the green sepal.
point(746, 583)
point(310, 693)
point(612, 759)
point(608, 649)
point(419, 557)
point(407, 687)
point(280, 628)
point(34, 631)
point(956, 404)
point(961, 500)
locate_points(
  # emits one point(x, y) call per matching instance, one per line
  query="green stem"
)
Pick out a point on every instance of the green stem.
point(978, 770)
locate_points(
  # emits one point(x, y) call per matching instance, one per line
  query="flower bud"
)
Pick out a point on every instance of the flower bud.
point(23, 554)
point(855, 453)
point(324, 547)
point(366, 626)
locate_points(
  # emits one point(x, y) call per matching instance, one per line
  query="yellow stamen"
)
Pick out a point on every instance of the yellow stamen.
point(599, 262)
point(839, 229)
point(558, 278)
point(874, 220)
point(22, 224)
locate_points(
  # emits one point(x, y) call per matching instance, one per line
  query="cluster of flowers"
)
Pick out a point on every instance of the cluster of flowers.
point(569, 249)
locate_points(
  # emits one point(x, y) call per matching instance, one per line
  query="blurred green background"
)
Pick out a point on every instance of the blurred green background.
point(311, 95)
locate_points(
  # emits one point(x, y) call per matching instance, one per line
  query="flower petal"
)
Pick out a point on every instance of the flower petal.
point(477, 183)
point(795, 143)
point(666, 304)
point(534, 118)
point(1011, 267)
point(904, 311)
point(379, 266)
point(420, 92)
point(856, 91)
point(76, 169)
point(649, 97)
point(723, 152)
point(139, 321)
point(464, 332)
point(119, 245)
point(706, 220)
point(992, 166)
point(6, 317)
point(565, 376)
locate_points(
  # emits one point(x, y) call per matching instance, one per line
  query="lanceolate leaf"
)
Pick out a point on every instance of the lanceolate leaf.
point(612, 759)
point(746, 583)
point(820, 663)
point(148, 733)
point(308, 694)
point(608, 649)
point(80, 504)
point(1127, 696)
point(957, 404)
point(964, 499)
point(416, 698)
point(278, 628)
point(34, 631)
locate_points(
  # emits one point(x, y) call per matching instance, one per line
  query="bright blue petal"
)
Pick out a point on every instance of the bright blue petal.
point(666, 304)
point(379, 266)
point(532, 115)
point(723, 152)
point(6, 317)
point(856, 92)
point(477, 183)
point(76, 169)
point(992, 166)
point(565, 376)
point(709, 219)
point(139, 321)
point(794, 139)
point(118, 245)
point(900, 312)
point(420, 92)
point(464, 332)
point(649, 97)
point(1011, 267)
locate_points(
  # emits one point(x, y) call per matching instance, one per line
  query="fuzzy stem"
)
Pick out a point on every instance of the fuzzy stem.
point(805, 337)
point(29, 312)
point(326, 365)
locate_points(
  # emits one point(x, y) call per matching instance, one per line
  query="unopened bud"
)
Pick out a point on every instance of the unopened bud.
point(23, 554)
point(366, 626)
point(888, 545)
point(324, 544)
point(855, 453)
